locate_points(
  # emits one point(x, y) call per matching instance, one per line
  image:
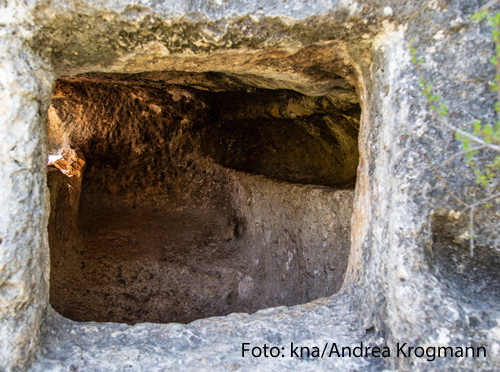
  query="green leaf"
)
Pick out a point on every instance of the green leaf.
point(479, 16)
point(488, 132)
point(477, 126)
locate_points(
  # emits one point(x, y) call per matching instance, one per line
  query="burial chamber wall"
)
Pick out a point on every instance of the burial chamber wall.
point(408, 277)
point(166, 216)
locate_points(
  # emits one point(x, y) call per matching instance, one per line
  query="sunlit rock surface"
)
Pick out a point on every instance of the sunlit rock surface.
point(408, 276)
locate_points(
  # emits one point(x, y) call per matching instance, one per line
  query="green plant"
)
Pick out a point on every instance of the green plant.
point(482, 137)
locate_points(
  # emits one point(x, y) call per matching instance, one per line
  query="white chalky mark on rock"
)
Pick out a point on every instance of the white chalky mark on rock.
point(245, 287)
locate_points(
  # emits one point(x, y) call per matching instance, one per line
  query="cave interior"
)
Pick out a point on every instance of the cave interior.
point(177, 196)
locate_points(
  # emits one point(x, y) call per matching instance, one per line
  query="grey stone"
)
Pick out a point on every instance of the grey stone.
point(399, 285)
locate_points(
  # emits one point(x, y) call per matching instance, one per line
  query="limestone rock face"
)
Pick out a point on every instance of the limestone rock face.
point(269, 98)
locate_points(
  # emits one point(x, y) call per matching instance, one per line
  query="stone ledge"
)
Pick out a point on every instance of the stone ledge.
point(209, 344)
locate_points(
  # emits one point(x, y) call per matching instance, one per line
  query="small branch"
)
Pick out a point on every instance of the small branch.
point(463, 152)
point(465, 134)
point(440, 115)
point(453, 128)
point(471, 207)
point(482, 201)
point(488, 5)
point(445, 184)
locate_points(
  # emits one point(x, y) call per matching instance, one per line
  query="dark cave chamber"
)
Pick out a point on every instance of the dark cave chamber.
point(175, 202)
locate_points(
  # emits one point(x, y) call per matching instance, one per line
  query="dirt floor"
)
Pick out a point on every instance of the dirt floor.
point(186, 262)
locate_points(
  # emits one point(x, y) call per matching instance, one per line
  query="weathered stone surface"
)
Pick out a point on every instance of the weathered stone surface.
point(399, 287)
point(23, 199)
point(208, 344)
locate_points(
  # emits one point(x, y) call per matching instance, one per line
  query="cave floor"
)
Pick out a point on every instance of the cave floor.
point(158, 266)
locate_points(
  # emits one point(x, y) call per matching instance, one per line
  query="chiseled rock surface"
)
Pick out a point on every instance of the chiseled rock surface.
point(23, 200)
point(213, 344)
point(399, 284)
